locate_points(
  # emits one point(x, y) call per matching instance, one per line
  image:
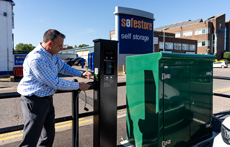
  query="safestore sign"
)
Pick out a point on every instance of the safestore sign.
point(134, 30)
point(19, 59)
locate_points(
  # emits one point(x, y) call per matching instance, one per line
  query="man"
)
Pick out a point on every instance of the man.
point(40, 82)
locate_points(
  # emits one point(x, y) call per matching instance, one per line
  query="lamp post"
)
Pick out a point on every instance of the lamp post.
point(205, 38)
point(164, 38)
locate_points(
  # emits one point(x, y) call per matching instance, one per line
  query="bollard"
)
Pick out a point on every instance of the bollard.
point(82, 63)
point(123, 69)
point(117, 68)
point(75, 132)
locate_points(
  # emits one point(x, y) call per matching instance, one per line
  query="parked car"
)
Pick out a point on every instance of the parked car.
point(72, 61)
point(78, 62)
point(222, 64)
point(75, 61)
point(67, 59)
point(223, 138)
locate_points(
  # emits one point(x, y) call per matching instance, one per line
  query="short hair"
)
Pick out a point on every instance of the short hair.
point(51, 35)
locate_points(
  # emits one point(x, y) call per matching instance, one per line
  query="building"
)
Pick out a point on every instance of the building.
point(171, 45)
point(80, 52)
point(166, 42)
point(212, 35)
point(6, 37)
point(66, 47)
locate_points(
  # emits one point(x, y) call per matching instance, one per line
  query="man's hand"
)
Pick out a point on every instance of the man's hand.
point(83, 86)
point(86, 75)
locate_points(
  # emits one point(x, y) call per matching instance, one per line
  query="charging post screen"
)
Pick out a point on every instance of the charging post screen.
point(109, 68)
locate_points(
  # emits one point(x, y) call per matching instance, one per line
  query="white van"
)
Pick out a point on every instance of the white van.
point(222, 64)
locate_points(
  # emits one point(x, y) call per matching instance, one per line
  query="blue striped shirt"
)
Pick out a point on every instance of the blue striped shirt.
point(40, 70)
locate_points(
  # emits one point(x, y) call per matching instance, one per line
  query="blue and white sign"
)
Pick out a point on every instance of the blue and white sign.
point(135, 35)
point(19, 59)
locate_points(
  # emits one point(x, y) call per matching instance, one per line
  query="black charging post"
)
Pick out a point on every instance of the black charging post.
point(105, 93)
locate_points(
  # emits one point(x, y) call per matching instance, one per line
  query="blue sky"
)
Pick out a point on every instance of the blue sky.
point(82, 21)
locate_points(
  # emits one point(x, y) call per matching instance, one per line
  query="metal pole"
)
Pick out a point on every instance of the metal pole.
point(163, 40)
point(75, 132)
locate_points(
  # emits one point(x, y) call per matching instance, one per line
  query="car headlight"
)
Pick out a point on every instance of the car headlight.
point(225, 133)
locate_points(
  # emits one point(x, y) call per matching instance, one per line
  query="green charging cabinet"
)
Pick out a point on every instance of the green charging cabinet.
point(169, 99)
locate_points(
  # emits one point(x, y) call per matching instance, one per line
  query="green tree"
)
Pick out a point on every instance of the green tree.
point(83, 45)
point(75, 46)
point(24, 47)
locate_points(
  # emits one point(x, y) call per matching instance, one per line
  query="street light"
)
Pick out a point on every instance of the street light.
point(164, 38)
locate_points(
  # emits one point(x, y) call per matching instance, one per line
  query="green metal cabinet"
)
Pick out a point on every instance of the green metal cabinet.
point(169, 99)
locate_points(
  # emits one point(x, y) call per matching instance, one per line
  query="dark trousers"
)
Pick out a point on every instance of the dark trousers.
point(39, 121)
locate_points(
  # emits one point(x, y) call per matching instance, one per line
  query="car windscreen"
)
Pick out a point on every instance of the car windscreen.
point(75, 59)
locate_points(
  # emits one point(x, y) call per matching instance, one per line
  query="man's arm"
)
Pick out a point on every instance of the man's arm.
point(46, 76)
point(68, 70)
point(65, 69)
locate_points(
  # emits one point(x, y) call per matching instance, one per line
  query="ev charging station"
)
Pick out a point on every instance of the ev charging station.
point(105, 93)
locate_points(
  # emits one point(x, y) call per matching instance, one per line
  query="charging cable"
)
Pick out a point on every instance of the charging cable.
point(85, 108)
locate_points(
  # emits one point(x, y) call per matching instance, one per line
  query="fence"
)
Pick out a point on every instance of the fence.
point(61, 119)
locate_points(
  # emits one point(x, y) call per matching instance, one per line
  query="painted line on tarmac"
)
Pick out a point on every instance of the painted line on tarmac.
point(221, 90)
point(6, 134)
point(16, 134)
point(11, 135)
point(9, 88)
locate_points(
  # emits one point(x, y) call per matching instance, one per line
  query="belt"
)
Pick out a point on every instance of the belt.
point(45, 97)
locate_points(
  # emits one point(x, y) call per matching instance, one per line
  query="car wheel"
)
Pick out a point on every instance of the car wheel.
point(222, 66)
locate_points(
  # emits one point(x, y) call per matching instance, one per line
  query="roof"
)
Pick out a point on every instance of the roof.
point(89, 48)
point(179, 24)
point(186, 23)
point(8, 0)
point(74, 50)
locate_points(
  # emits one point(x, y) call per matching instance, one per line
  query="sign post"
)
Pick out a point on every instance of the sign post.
point(134, 32)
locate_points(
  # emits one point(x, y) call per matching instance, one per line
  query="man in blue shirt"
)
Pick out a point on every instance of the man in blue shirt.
point(40, 82)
